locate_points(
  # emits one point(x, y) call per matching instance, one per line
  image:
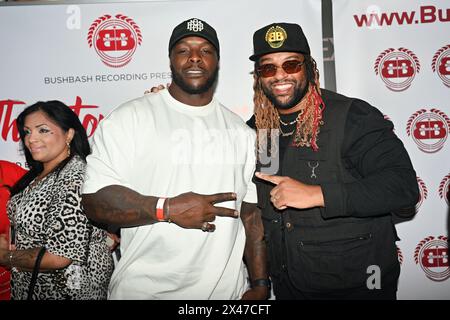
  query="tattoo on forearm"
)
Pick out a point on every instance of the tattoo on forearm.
point(120, 206)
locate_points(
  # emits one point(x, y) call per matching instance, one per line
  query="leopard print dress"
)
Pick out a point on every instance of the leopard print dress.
point(49, 213)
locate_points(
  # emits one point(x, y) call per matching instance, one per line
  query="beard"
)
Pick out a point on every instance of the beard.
point(186, 87)
point(299, 93)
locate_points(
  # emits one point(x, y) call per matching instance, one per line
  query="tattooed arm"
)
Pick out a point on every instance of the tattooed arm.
point(24, 260)
point(118, 206)
point(255, 250)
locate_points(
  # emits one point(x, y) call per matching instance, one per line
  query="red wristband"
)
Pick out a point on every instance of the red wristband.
point(160, 209)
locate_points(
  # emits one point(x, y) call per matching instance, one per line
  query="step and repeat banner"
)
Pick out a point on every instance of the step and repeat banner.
point(96, 56)
point(396, 56)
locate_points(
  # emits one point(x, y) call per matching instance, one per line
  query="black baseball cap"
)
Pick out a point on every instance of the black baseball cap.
point(279, 37)
point(194, 27)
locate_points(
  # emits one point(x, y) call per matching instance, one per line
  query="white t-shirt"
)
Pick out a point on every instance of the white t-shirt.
point(158, 146)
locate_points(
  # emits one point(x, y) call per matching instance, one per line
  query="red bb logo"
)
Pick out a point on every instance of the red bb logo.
point(441, 64)
point(444, 188)
point(429, 130)
point(114, 40)
point(432, 255)
point(397, 68)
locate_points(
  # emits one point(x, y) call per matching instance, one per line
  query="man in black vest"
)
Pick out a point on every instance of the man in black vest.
point(331, 175)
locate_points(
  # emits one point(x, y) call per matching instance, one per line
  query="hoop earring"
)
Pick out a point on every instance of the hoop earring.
point(68, 148)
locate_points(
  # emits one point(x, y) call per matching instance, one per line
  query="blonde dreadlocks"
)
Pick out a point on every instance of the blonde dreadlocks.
point(308, 126)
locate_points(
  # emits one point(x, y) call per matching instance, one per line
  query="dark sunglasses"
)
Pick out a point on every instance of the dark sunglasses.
point(269, 70)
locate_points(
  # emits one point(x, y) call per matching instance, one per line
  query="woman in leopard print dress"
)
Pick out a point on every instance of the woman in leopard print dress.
point(45, 210)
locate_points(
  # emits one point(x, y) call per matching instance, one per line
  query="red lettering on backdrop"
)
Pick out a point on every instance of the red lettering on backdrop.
point(9, 125)
point(89, 121)
point(6, 123)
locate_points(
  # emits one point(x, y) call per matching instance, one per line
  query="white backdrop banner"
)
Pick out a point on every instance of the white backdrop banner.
point(396, 56)
point(94, 57)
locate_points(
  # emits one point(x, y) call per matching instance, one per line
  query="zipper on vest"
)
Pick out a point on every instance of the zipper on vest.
point(363, 237)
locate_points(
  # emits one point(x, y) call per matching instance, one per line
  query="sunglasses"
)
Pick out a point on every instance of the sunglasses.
point(269, 70)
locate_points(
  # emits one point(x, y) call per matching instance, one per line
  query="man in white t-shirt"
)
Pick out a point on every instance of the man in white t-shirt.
point(159, 165)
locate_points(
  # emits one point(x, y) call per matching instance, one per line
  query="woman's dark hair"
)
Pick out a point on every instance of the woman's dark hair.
point(64, 118)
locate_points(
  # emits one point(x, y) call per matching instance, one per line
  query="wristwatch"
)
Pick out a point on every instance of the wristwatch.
point(261, 283)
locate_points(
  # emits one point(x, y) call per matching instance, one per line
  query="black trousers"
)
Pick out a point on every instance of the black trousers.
point(284, 290)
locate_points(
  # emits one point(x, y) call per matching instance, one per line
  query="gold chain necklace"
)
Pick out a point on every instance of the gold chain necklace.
point(293, 121)
point(287, 134)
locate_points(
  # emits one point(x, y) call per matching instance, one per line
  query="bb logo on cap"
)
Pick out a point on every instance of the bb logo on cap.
point(195, 25)
point(276, 36)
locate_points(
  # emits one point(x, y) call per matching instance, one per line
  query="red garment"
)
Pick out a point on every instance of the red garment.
point(9, 174)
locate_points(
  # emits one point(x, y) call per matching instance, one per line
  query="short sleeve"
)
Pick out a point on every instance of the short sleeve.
point(112, 152)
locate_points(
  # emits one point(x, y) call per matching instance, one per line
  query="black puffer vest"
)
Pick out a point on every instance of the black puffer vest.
point(322, 255)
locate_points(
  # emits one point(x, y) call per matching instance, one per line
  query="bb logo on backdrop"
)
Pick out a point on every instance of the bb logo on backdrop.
point(429, 129)
point(432, 255)
point(444, 187)
point(114, 39)
point(441, 64)
point(397, 68)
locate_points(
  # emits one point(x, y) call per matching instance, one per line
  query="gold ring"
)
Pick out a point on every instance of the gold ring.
point(205, 226)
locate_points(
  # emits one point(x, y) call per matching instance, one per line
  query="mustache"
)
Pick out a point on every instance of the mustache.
point(194, 67)
point(274, 82)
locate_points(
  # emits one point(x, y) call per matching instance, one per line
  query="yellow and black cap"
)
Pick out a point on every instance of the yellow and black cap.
point(279, 37)
point(194, 27)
